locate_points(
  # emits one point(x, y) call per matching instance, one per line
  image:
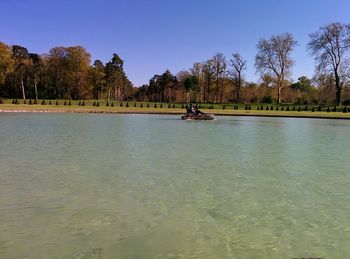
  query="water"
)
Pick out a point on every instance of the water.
point(149, 186)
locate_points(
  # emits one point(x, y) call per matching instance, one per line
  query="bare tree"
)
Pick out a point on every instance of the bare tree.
point(208, 69)
point(219, 62)
point(238, 65)
point(274, 57)
point(330, 45)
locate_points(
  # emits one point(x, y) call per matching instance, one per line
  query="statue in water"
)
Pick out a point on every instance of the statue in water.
point(194, 114)
point(193, 110)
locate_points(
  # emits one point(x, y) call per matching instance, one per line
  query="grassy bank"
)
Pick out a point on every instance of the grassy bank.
point(91, 106)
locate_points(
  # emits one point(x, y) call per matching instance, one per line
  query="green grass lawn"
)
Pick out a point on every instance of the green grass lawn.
point(94, 106)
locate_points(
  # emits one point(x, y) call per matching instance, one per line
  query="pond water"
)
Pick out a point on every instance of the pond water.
point(153, 186)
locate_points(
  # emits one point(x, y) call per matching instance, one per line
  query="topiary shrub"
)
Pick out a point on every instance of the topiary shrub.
point(161, 105)
point(277, 108)
point(223, 107)
point(261, 107)
point(267, 107)
point(299, 108)
point(147, 105)
point(335, 109)
point(43, 102)
point(236, 107)
point(127, 104)
point(30, 102)
point(69, 103)
point(83, 103)
point(50, 103)
point(94, 103)
point(65, 102)
point(107, 103)
point(271, 108)
point(287, 109)
point(258, 108)
point(97, 104)
point(141, 105)
point(293, 108)
point(174, 106)
point(135, 105)
point(79, 103)
point(121, 104)
point(57, 103)
point(169, 106)
point(112, 104)
point(155, 105)
point(328, 110)
point(305, 109)
point(313, 108)
point(282, 109)
point(319, 109)
point(246, 107)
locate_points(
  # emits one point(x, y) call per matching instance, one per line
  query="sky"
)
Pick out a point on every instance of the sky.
point(154, 35)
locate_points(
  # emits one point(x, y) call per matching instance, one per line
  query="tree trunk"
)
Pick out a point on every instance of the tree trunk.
point(36, 88)
point(23, 92)
point(338, 89)
point(238, 88)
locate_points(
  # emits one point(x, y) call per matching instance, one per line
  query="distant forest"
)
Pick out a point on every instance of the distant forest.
point(67, 73)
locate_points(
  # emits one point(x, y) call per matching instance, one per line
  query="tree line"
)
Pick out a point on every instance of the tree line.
point(67, 73)
point(63, 73)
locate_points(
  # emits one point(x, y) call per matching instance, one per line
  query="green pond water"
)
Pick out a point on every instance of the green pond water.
point(153, 186)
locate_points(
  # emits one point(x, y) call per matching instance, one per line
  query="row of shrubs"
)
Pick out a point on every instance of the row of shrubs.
point(306, 108)
point(160, 105)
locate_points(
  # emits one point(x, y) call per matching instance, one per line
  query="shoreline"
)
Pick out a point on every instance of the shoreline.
point(165, 111)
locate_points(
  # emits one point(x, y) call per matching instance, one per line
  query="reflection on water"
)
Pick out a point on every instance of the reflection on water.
point(141, 186)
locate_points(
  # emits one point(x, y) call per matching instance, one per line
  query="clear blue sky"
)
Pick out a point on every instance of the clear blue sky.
point(153, 35)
